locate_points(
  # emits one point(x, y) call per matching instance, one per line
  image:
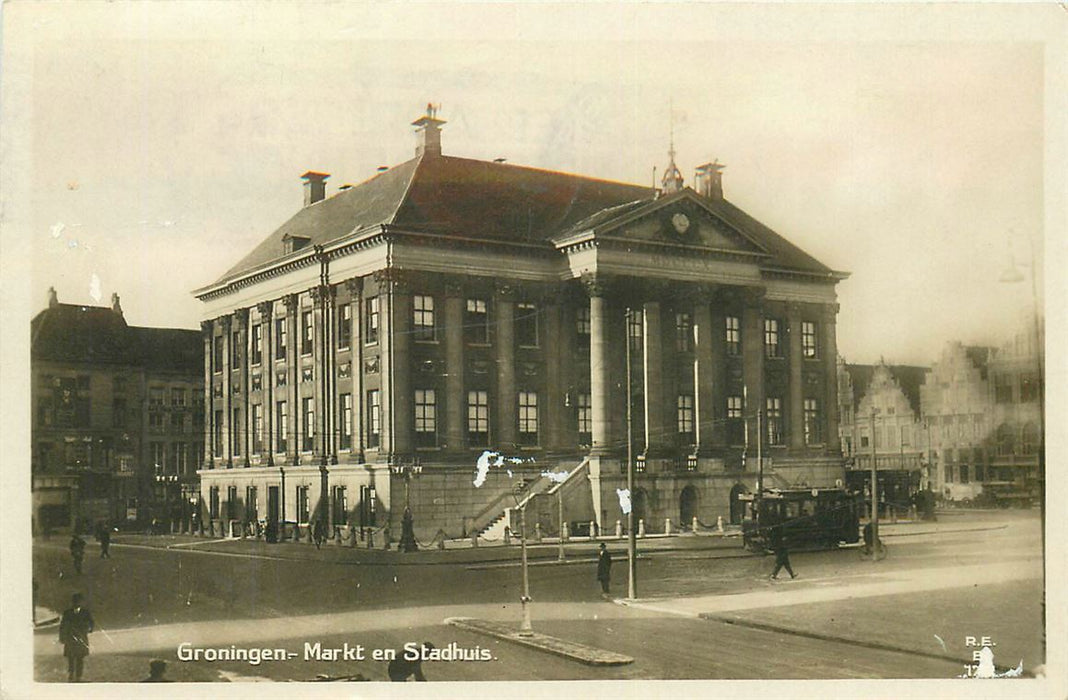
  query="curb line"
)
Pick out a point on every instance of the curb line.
point(552, 645)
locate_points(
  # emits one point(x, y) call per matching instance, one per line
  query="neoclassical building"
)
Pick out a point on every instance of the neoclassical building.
point(366, 353)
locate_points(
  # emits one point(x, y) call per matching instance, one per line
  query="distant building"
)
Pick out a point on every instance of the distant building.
point(360, 359)
point(959, 420)
point(117, 418)
point(880, 413)
point(982, 407)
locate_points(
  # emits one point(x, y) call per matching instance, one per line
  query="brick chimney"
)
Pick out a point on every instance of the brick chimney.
point(314, 186)
point(428, 132)
point(53, 298)
point(709, 180)
point(115, 306)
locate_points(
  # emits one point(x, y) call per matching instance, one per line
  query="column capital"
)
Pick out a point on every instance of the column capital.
point(794, 310)
point(393, 278)
point(454, 289)
point(224, 323)
point(292, 302)
point(322, 294)
point(753, 297)
point(354, 286)
point(596, 285)
point(507, 291)
point(658, 289)
point(207, 328)
point(698, 292)
point(242, 317)
point(265, 309)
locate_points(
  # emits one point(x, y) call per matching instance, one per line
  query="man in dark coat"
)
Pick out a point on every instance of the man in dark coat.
point(77, 551)
point(74, 629)
point(604, 568)
point(782, 555)
point(104, 536)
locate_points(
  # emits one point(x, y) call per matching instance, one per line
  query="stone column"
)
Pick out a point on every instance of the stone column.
point(227, 393)
point(359, 410)
point(796, 383)
point(207, 333)
point(244, 372)
point(265, 309)
point(320, 443)
point(705, 358)
point(292, 378)
point(657, 429)
point(553, 348)
point(753, 359)
point(504, 303)
point(395, 336)
point(599, 397)
point(454, 366)
point(828, 350)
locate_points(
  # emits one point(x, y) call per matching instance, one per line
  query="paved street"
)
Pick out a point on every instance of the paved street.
point(705, 608)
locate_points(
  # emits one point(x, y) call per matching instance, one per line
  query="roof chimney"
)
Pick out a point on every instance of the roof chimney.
point(314, 186)
point(709, 179)
point(428, 132)
point(53, 299)
point(115, 304)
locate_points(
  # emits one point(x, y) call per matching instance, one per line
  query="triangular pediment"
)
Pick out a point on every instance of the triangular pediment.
point(684, 218)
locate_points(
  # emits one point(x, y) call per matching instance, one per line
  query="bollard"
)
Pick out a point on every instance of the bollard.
point(719, 523)
point(567, 532)
point(641, 527)
point(593, 530)
point(370, 539)
point(537, 532)
point(619, 530)
point(694, 526)
point(474, 539)
point(667, 526)
point(507, 535)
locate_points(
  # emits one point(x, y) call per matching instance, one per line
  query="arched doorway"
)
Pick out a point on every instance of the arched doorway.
point(687, 506)
point(737, 506)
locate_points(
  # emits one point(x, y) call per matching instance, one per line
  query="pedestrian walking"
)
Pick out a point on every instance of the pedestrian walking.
point(77, 551)
point(104, 537)
point(156, 669)
point(604, 568)
point(317, 533)
point(74, 629)
point(402, 667)
point(782, 554)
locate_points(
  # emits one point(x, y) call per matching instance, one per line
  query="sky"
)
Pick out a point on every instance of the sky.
point(905, 146)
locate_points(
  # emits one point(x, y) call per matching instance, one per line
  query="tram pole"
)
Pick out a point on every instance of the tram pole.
point(632, 541)
point(874, 494)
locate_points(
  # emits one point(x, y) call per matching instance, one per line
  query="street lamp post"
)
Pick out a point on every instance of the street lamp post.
point(407, 541)
point(632, 541)
point(526, 629)
point(874, 493)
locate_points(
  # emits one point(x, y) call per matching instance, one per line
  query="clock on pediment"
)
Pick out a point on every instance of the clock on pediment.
point(679, 223)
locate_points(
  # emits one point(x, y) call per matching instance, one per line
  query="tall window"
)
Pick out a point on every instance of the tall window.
point(216, 353)
point(235, 432)
point(423, 317)
point(251, 504)
point(235, 349)
point(178, 457)
point(582, 323)
point(426, 423)
point(370, 331)
point(257, 344)
point(280, 338)
point(634, 330)
point(813, 424)
point(476, 322)
point(303, 512)
point(771, 338)
point(683, 332)
point(307, 426)
point(217, 433)
point(1003, 388)
point(341, 506)
point(231, 503)
point(906, 440)
point(773, 415)
point(155, 396)
point(257, 428)
point(808, 339)
point(735, 421)
point(733, 329)
point(346, 421)
point(528, 418)
point(477, 418)
point(306, 333)
point(374, 418)
point(684, 417)
point(118, 413)
point(159, 460)
point(213, 502)
point(281, 427)
point(526, 324)
point(344, 325)
point(585, 419)
point(178, 396)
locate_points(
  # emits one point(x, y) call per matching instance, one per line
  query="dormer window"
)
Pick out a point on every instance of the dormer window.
point(293, 243)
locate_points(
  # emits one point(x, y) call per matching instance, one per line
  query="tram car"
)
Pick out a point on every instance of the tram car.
point(811, 518)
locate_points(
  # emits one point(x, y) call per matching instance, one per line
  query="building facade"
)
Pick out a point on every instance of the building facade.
point(881, 419)
point(117, 419)
point(362, 359)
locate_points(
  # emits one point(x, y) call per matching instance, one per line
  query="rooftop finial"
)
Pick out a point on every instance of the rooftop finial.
point(672, 181)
